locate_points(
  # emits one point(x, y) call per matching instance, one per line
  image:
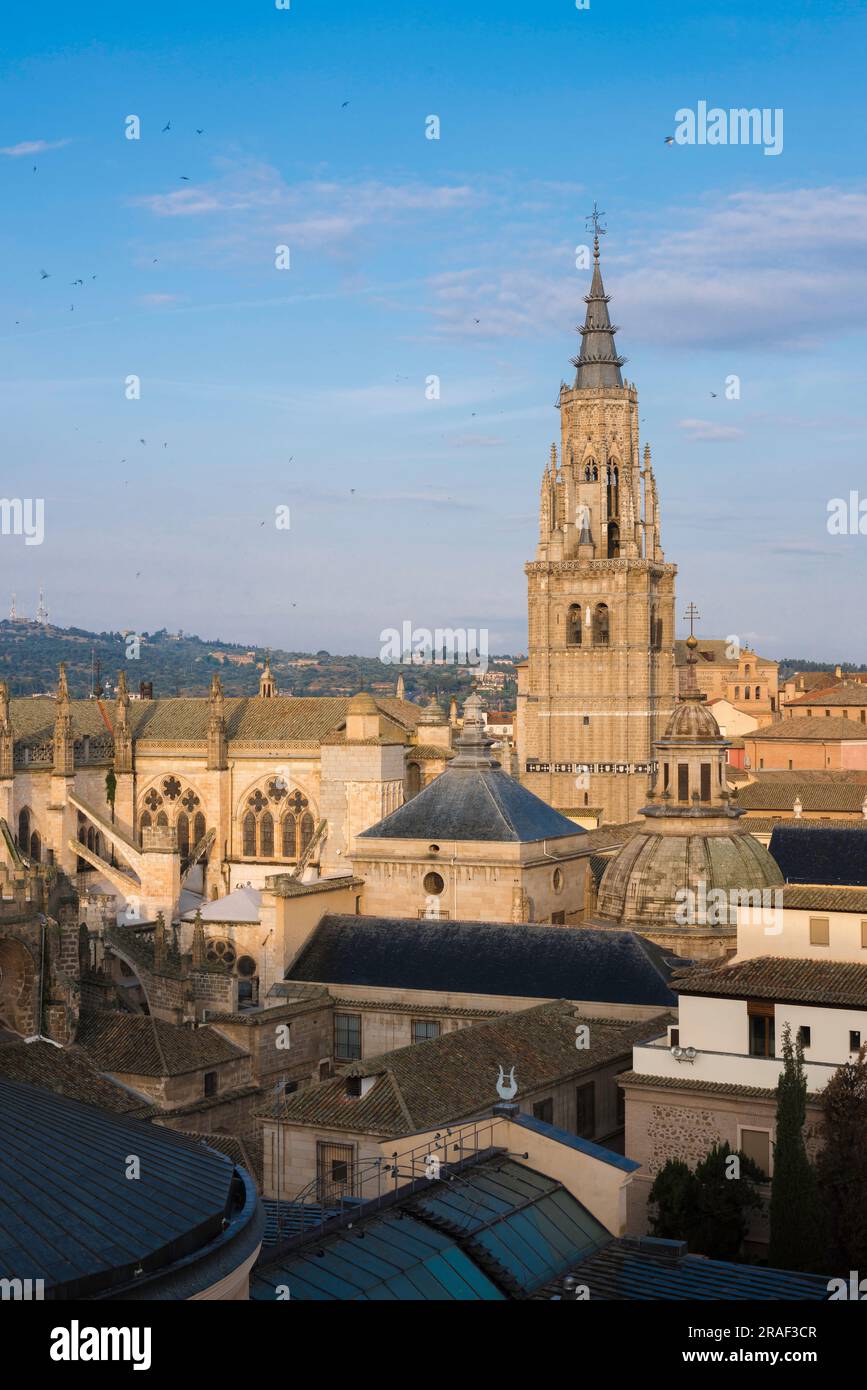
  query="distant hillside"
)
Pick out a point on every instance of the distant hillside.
point(181, 664)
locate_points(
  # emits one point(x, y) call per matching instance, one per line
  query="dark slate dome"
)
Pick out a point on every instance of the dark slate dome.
point(474, 799)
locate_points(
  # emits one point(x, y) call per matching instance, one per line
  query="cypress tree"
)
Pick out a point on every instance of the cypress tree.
point(796, 1219)
point(842, 1165)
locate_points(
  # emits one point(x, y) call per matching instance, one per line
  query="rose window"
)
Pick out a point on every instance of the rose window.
point(172, 788)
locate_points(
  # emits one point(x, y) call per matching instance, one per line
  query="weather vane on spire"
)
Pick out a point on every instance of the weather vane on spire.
point(595, 217)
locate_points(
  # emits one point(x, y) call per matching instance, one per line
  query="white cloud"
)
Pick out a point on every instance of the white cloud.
point(707, 431)
point(32, 147)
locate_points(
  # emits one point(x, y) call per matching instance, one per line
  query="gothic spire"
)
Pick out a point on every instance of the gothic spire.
point(598, 362)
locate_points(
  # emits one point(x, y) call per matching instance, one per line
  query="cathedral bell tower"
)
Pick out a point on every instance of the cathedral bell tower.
point(598, 687)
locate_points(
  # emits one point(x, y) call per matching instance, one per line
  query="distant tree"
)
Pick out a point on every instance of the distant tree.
point(795, 1212)
point(842, 1165)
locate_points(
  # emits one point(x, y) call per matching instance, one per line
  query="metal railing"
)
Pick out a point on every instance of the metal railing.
point(379, 1179)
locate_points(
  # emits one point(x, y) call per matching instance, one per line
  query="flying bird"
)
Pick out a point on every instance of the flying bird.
point(76, 282)
point(34, 168)
point(44, 275)
point(713, 393)
point(185, 178)
point(142, 441)
point(669, 140)
point(346, 103)
point(167, 126)
point(200, 132)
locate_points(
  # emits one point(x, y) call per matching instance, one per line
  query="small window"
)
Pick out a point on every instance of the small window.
point(557, 880)
point(705, 781)
point(854, 1040)
point(762, 1034)
point(558, 919)
point(347, 1037)
point(290, 1088)
point(585, 1111)
point(544, 1110)
point(434, 883)
point(804, 1035)
point(353, 1087)
point(423, 1029)
point(210, 1083)
point(683, 782)
point(587, 720)
point(756, 1144)
point(820, 931)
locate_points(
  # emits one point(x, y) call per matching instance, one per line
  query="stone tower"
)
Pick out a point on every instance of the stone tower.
point(598, 687)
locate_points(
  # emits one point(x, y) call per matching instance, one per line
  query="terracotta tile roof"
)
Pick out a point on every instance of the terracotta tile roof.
point(141, 1045)
point(244, 1153)
point(249, 719)
point(71, 1074)
point(429, 751)
point(711, 651)
point(810, 730)
point(303, 998)
point(454, 1076)
point(611, 836)
point(825, 897)
point(843, 693)
point(814, 796)
point(765, 825)
point(683, 1083)
point(775, 978)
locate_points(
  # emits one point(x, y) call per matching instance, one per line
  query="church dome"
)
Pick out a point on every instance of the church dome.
point(644, 884)
point(692, 720)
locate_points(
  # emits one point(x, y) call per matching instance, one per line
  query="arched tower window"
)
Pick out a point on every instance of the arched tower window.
point(613, 540)
point(198, 828)
point(758, 692)
point(162, 818)
point(591, 472)
point(612, 477)
point(573, 626)
point(35, 847)
point(413, 780)
point(183, 828)
point(307, 827)
point(267, 835)
point(24, 830)
point(288, 836)
point(737, 692)
point(601, 626)
point(145, 821)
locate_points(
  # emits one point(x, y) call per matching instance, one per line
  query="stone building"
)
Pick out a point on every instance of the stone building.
point(680, 878)
point(473, 844)
point(726, 671)
point(598, 685)
point(713, 1077)
point(142, 799)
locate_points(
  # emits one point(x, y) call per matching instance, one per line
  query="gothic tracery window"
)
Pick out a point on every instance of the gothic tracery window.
point(573, 626)
point(249, 835)
point(276, 822)
point(266, 836)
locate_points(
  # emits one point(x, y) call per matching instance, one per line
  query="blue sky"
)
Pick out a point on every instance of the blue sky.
point(306, 387)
